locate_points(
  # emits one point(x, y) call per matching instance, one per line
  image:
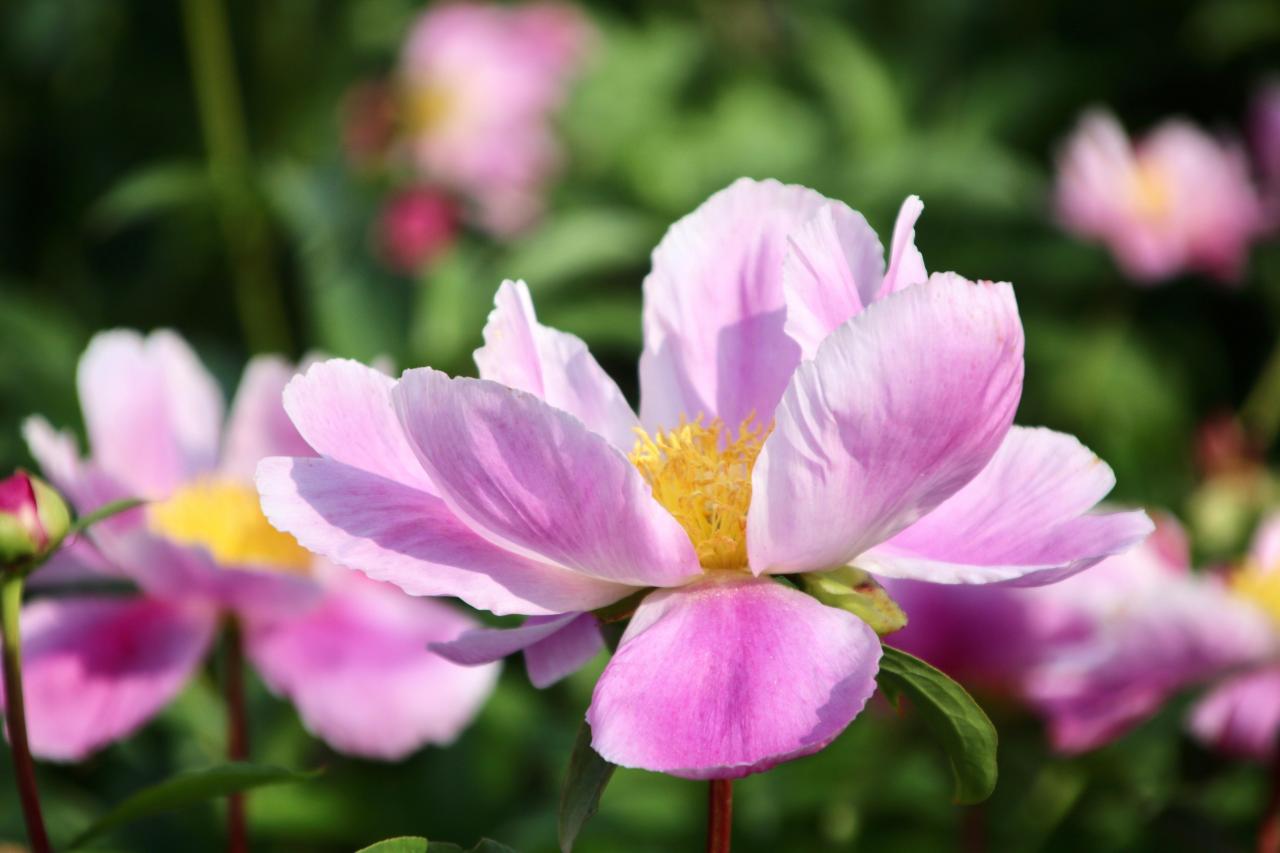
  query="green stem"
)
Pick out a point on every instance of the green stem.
point(1261, 410)
point(24, 770)
point(259, 300)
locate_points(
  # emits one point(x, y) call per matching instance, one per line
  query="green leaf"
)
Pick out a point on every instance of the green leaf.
point(484, 845)
point(103, 512)
point(588, 776)
point(951, 714)
point(857, 592)
point(403, 844)
point(186, 789)
point(151, 191)
point(578, 244)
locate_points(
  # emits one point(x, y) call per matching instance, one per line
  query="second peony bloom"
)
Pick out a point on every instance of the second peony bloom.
point(806, 403)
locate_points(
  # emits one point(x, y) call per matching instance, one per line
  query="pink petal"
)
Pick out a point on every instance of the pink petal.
point(1242, 716)
point(395, 533)
point(1027, 515)
point(96, 669)
point(714, 308)
point(731, 676)
point(902, 406)
point(1265, 548)
point(343, 410)
point(533, 478)
point(83, 483)
point(521, 353)
point(553, 646)
point(358, 669)
point(258, 426)
point(152, 411)
point(906, 264)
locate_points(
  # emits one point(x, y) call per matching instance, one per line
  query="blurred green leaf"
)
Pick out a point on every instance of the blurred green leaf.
point(579, 243)
point(484, 845)
point(150, 192)
point(185, 790)
point(855, 83)
point(951, 714)
point(403, 844)
point(584, 784)
point(601, 321)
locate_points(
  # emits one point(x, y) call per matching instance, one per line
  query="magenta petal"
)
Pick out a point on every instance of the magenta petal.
point(1027, 516)
point(533, 478)
point(714, 310)
point(553, 646)
point(521, 353)
point(1241, 716)
point(901, 407)
point(731, 676)
point(152, 411)
point(564, 652)
point(95, 669)
point(258, 426)
point(359, 671)
point(395, 533)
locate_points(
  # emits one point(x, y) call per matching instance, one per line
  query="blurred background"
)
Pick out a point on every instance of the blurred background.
point(146, 182)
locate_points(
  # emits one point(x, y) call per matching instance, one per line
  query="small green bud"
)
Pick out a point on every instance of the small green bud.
point(856, 591)
point(33, 520)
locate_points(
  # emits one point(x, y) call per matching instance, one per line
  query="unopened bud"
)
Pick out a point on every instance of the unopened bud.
point(33, 519)
point(856, 591)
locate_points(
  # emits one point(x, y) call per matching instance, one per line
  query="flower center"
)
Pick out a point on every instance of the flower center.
point(1259, 585)
point(702, 476)
point(427, 107)
point(1149, 192)
point(224, 517)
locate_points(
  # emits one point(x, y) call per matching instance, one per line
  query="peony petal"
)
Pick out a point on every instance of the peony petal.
point(343, 410)
point(553, 646)
point(1241, 716)
point(359, 672)
point(902, 406)
point(1264, 551)
point(532, 478)
point(714, 308)
point(258, 426)
point(398, 534)
point(1026, 516)
point(96, 669)
point(152, 411)
point(906, 264)
point(521, 353)
point(731, 676)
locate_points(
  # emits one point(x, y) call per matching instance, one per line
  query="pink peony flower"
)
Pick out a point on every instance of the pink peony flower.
point(480, 84)
point(804, 405)
point(350, 653)
point(416, 226)
point(1241, 715)
point(1176, 201)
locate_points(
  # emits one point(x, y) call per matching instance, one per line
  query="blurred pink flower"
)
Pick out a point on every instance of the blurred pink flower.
point(1241, 716)
point(416, 226)
point(1098, 653)
point(368, 117)
point(1264, 137)
point(789, 425)
point(1176, 201)
point(350, 653)
point(480, 83)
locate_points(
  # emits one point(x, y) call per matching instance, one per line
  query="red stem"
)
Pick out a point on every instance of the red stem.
point(719, 815)
point(237, 733)
point(1269, 829)
point(24, 769)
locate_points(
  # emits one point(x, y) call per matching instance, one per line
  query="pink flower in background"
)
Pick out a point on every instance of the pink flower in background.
point(804, 404)
point(416, 226)
point(350, 653)
point(1264, 138)
point(480, 85)
point(1176, 201)
point(1241, 716)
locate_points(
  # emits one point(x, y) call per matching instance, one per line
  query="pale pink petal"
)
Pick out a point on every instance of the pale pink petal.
point(902, 407)
point(1027, 516)
point(521, 353)
point(906, 264)
point(1241, 716)
point(553, 646)
point(1264, 551)
point(343, 410)
point(714, 310)
point(728, 677)
point(152, 411)
point(534, 479)
point(96, 669)
point(258, 426)
point(395, 533)
point(358, 669)
point(82, 483)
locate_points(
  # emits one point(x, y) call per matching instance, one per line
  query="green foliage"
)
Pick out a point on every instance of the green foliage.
point(584, 784)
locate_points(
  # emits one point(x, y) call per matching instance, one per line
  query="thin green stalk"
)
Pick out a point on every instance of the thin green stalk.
point(258, 296)
point(1261, 411)
point(24, 770)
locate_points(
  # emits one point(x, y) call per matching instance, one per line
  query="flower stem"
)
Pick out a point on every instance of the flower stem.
point(237, 730)
point(15, 713)
point(258, 296)
point(719, 815)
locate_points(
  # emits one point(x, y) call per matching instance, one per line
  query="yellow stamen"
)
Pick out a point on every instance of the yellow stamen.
point(1149, 192)
point(702, 476)
point(1259, 585)
point(427, 106)
point(224, 517)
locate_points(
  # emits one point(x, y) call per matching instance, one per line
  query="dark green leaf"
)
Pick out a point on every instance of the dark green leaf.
point(484, 845)
point(84, 522)
point(585, 783)
point(186, 789)
point(953, 717)
point(403, 844)
point(151, 191)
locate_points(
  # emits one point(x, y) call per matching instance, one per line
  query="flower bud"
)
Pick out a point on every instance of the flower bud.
point(416, 226)
point(856, 591)
point(33, 519)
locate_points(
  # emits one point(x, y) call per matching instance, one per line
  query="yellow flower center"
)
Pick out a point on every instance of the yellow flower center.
point(1259, 585)
point(702, 476)
point(224, 517)
point(427, 107)
point(1149, 192)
